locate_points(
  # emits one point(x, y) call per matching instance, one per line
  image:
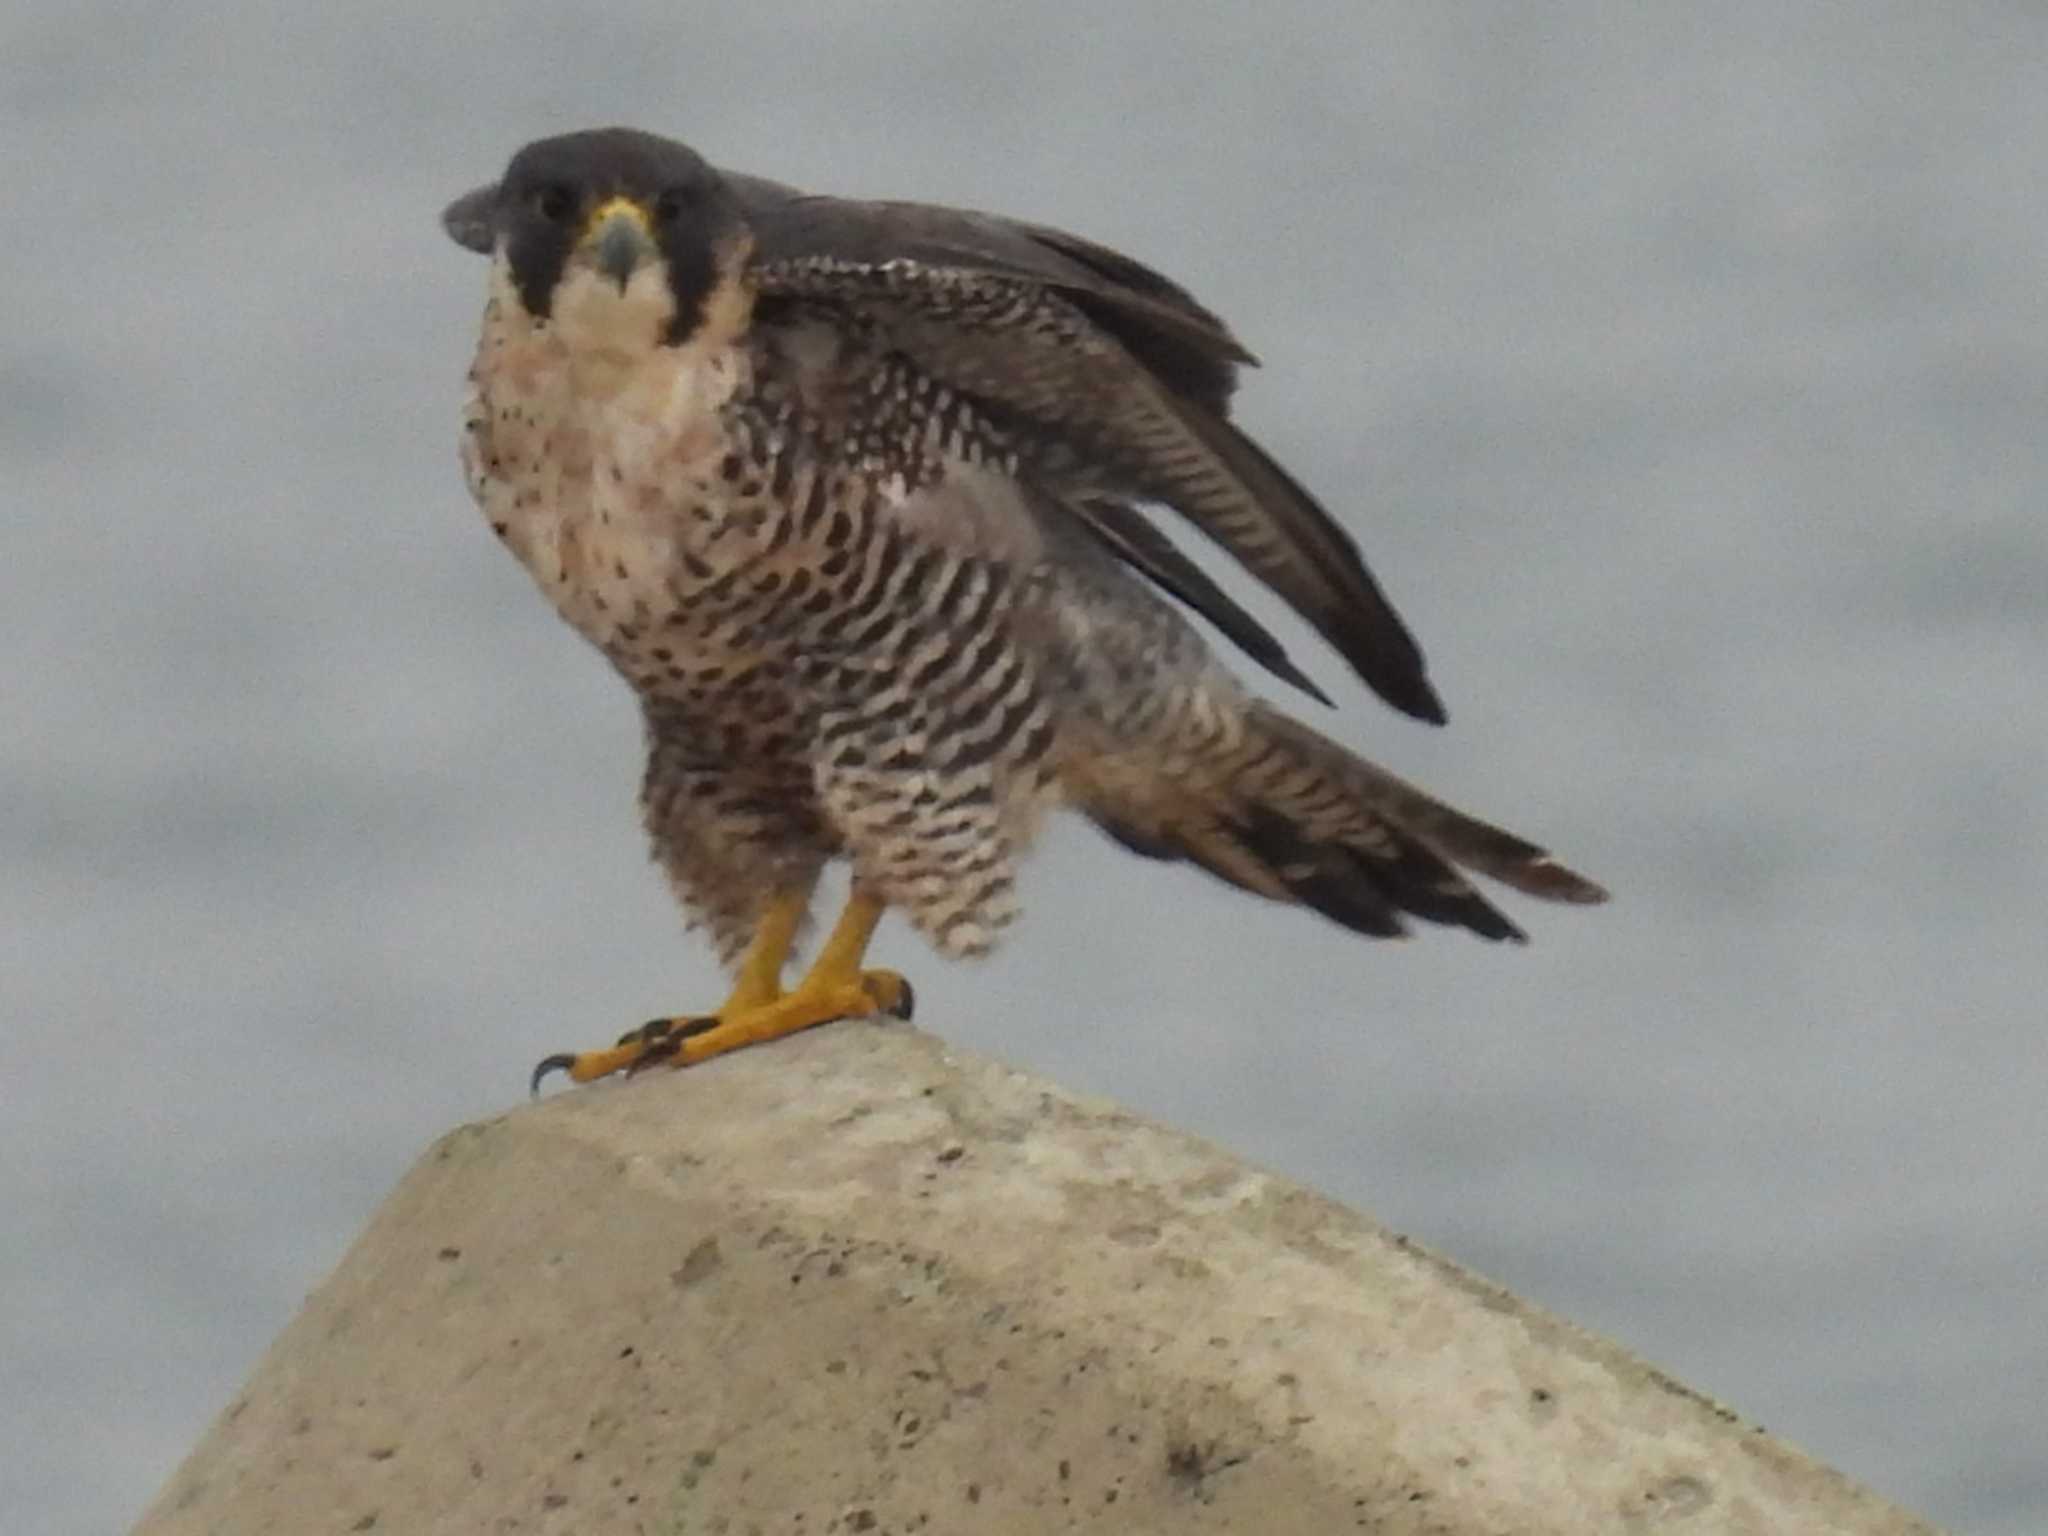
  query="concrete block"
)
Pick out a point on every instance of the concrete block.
point(858, 1282)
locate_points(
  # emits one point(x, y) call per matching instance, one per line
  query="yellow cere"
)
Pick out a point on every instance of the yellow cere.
point(606, 211)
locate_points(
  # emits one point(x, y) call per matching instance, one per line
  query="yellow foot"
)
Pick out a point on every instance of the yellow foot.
point(683, 1042)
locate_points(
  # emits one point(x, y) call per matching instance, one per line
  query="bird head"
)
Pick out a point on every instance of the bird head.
point(619, 239)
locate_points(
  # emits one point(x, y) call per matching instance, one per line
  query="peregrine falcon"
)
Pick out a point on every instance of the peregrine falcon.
point(852, 494)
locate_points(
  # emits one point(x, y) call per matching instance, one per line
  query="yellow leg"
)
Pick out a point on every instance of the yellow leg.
point(835, 987)
point(760, 973)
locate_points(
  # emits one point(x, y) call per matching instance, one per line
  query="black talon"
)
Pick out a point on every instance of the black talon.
point(647, 1033)
point(660, 1050)
point(556, 1063)
point(664, 1037)
point(906, 1005)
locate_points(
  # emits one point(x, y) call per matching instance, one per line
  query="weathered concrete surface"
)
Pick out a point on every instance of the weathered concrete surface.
point(858, 1282)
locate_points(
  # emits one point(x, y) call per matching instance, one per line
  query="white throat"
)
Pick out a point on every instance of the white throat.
point(607, 333)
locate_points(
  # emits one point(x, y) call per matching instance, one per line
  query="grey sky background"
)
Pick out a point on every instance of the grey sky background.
point(1681, 369)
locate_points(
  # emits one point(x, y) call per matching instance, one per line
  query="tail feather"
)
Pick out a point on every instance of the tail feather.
point(1366, 886)
point(1289, 814)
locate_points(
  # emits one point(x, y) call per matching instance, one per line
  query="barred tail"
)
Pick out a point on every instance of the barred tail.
point(1289, 814)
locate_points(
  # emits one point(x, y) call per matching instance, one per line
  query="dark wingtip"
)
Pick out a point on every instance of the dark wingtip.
point(1256, 642)
point(1282, 666)
point(1383, 653)
point(1412, 695)
point(555, 1063)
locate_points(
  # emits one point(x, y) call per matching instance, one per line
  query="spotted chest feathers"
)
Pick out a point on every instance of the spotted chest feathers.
point(811, 564)
point(614, 482)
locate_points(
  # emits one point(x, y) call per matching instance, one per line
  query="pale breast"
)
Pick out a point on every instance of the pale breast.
point(621, 494)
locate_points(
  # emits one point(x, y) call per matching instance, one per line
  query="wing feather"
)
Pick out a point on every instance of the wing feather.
point(1157, 320)
point(1113, 374)
point(1128, 535)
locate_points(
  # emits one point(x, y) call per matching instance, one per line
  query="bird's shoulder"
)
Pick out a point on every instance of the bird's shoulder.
point(875, 256)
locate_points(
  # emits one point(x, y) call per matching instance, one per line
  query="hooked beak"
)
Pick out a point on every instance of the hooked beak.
point(619, 239)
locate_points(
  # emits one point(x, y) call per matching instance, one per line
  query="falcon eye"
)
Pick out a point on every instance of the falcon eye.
point(674, 203)
point(553, 202)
